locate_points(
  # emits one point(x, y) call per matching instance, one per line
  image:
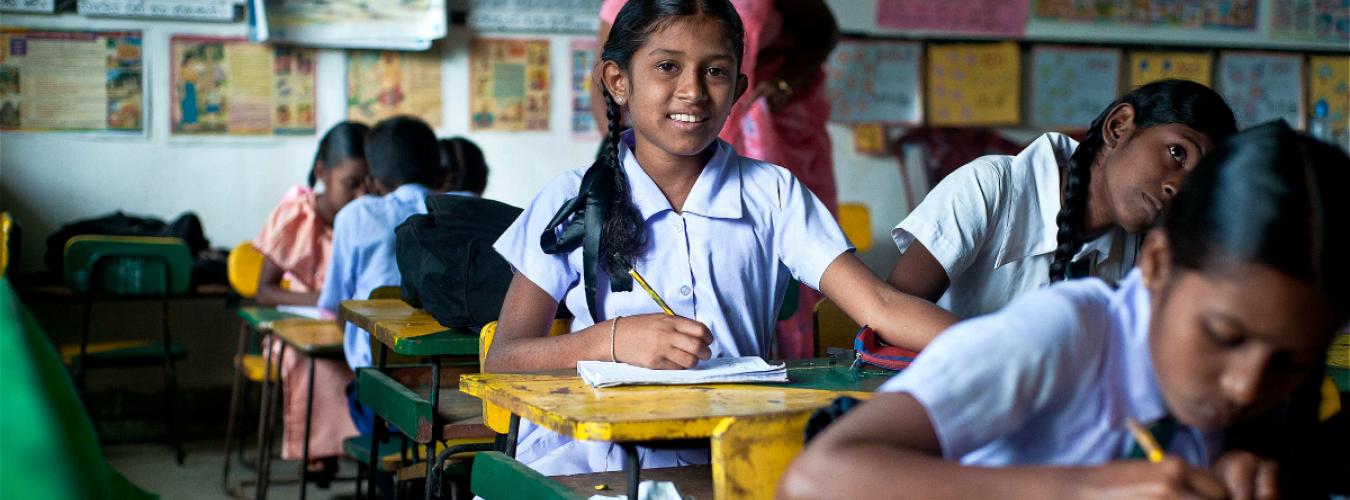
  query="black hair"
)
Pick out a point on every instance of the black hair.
point(1159, 103)
point(1273, 196)
point(345, 140)
point(465, 168)
point(403, 150)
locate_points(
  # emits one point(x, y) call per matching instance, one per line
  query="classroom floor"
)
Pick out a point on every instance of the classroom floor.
point(151, 466)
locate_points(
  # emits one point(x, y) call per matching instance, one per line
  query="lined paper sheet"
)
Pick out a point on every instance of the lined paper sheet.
point(715, 371)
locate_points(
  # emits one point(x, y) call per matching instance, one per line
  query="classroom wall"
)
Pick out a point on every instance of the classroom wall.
point(50, 178)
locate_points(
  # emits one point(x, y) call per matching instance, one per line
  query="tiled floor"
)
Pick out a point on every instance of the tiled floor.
point(151, 466)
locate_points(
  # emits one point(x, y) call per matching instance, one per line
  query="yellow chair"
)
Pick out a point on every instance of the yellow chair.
point(833, 328)
point(856, 221)
point(8, 241)
point(243, 267)
point(495, 417)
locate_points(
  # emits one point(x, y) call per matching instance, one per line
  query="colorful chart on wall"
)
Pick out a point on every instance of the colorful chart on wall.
point(365, 24)
point(381, 84)
point(974, 84)
point(1237, 15)
point(71, 80)
point(229, 86)
point(1146, 67)
point(1262, 86)
point(508, 84)
point(582, 55)
point(534, 16)
point(1329, 87)
point(1071, 86)
point(1311, 20)
point(987, 17)
point(875, 82)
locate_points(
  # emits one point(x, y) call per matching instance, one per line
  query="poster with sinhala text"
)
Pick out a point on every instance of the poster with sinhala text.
point(875, 82)
point(381, 84)
point(71, 80)
point(228, 86)
point(1226, 15)
point(1070, 86)
point(1262, 86)
point(508, 84)
point(974, 84)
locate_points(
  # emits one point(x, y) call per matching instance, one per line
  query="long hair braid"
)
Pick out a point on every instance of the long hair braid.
point(1070, 216)
point(621, 233)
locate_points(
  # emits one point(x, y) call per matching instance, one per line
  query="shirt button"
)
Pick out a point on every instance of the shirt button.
point(684, 290)
point(679, 228)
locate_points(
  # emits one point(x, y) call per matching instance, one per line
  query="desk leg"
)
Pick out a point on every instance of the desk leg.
point(376, 435)
point(265, 402)
point(633, 466)
point(512, 435)
point(309, 416)
point(435, 426)
point(750, 454)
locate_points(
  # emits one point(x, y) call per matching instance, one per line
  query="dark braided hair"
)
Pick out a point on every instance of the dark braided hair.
point(345, 140)
point(1158, 103)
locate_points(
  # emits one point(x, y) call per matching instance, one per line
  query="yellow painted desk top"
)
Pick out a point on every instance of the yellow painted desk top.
point(311, 336)
point(366, 313)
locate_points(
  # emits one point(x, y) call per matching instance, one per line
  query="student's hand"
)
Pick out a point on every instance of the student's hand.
point(1129, 479)
point(662, 342)
point(1248, 476)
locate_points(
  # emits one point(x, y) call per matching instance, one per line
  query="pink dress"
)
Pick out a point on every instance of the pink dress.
point(296, 239)
point(794, 137)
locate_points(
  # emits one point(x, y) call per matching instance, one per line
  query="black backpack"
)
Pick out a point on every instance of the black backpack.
point(447, 262)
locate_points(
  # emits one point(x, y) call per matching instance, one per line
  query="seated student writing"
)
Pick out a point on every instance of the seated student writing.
point(1232, 306)
point(404, 160)
point(716, 234)
point(1002, 226)
point(295, 243)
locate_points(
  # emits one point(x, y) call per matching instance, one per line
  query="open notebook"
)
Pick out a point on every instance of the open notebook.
point(713, 371)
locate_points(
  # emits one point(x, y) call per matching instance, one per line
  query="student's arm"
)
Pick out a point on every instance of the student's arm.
point(271, 293)
point(522, 343)
point(900, 319)
point(887, 448)
point(917, 272)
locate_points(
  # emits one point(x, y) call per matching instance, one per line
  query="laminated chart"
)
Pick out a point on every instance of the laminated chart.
point(1070, 86)
point(1147, 67)
point(71, 80)
point(381, 84)
point(974, 84)
point(1329, 87)
point(1262, 87)
point(1228, 15)
point(508, 84)
point(582, 54)
point(875, 82)
point(229, 86)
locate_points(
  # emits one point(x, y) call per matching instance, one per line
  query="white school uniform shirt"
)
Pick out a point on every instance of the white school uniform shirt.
point(1049, 380)
point(991, 224)
point(747, 226)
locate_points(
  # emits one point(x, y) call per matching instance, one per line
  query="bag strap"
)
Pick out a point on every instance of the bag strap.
point(578, 223)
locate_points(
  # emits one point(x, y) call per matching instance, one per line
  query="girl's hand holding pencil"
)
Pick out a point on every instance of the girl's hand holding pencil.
point(1170, 478)
point(661, 341)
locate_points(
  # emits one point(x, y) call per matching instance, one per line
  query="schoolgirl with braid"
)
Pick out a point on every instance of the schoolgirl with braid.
point(716, 234)
point(1002, 226)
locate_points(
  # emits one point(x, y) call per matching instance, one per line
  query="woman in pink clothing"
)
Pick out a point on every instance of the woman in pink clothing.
point(781, 120)
point(296, 241)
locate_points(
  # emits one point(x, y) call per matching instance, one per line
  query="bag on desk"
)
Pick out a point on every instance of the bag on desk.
point(447, 262)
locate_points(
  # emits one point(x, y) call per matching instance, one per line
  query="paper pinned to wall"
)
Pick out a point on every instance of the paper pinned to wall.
point(1329, 86)
point(1311, 20)
point(1147, 67)
point(194, 10)
point(1071, 86)
point(974, 84)
point(508, 84)
point(228, 86)
point(535, 16)
point(353, 24)
point(72, 80)
point(582, 56)
point(28, 6)
point(875, 82)
point(1262, 86)
point(381, 84)
point(984, 17)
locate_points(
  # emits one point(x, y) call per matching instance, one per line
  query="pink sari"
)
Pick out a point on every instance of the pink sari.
point(297, 240)
point(794, 137)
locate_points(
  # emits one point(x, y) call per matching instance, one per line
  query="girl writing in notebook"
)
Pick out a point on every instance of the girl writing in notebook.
point(717, 235)
point(1002, 226)
point(1233, 305)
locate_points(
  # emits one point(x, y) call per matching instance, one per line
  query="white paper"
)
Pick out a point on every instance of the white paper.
point(715, 371)
point(311, 312)
point(649, 490)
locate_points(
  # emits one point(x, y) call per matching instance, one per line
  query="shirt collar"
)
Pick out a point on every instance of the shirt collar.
point(410, 192)
point(1143, 394)
point(1034, 198)
point(716, 192)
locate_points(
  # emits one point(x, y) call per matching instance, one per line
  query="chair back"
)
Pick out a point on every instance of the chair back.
point(856, 221)
point(496, 417)
point(8, 248)
point(833, 328)
point(127, 265)
point(243, 267)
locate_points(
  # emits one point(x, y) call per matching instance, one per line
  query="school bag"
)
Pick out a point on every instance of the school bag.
point(447, 262)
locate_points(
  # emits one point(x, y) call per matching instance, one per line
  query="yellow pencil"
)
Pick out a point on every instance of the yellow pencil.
point(632, 271)
point(1145, 440)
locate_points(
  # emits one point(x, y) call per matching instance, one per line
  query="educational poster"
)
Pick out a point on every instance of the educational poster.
point(534, 16)
point(1071, 86)
point(508, 84)
point(71, 80)
point(381, 84)
point(1239, 15)
point(28, 6)
point(875, 82)
point(193, 10)
point(228, 86)
point(582, 54)
point(869, 138)
point(1329, 88)
point(364, 24)
point(983, 17)
point(1311, 20)
point(1262, 86)
point(1146, 67)
point(974, 84)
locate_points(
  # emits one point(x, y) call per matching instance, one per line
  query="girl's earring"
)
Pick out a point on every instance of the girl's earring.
point(618, 100)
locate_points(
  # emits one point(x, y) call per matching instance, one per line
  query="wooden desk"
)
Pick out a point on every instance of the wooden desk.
point(755, 430)
point(315, 337)
point(408, 331)
point(365, 313)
